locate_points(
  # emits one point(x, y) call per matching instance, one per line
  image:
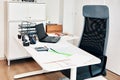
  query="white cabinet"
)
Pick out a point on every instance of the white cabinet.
point(15, 13)
point(25, 11)
point(13, 50)
point(37, 12)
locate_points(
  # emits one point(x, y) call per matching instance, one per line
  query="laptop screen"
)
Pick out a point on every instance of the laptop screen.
point(40, 31)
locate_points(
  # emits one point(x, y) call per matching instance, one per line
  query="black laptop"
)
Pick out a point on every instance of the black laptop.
point(42, 35)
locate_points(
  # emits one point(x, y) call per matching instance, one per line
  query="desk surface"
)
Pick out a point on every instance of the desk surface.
point(53, 62)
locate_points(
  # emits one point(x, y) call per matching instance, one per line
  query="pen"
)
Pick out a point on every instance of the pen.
point(54, 50)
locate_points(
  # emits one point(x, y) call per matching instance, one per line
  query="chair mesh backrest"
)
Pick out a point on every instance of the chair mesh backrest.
point(95, 33)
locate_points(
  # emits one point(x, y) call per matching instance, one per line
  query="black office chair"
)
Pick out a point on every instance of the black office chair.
point(94, 40)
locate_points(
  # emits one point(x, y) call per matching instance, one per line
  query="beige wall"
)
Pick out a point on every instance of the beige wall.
point(113, 51)
point(1, 29)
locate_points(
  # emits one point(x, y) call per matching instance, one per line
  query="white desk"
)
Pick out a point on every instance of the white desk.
point(54, 62)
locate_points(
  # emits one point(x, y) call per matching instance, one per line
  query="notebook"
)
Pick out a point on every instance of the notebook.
point(42, 35)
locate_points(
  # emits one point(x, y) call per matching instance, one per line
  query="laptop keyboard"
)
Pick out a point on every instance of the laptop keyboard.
point(51, 39)
point(54, 39)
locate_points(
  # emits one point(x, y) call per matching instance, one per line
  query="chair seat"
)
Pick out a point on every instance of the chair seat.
point(97, 78)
